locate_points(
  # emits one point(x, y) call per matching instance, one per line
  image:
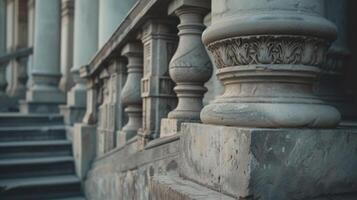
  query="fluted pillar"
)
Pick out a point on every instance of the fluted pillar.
point(130, 94)
point(85, 47)
point(330, 85)
point(44, 94)
point(67, 25)
point(111, 14)
point(268, 55)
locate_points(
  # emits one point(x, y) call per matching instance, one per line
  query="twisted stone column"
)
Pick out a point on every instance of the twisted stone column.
point(330, 86)
point(268, 54)
point(44, 94)
point(190, 66)
point(130, 94)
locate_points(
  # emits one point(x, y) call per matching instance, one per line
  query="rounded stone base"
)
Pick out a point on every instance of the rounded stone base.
point(271, 115)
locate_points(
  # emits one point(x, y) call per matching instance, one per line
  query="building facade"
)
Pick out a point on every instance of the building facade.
point(189, 99)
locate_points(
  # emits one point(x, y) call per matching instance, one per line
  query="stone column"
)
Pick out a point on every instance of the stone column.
point(190, 66)
point(5, 101)
point(130, 94)
point(330, 84)
point(111, 14)
point(30, 38)
point(159, 42)
point(85, 47)
point(44, 94)
point(268, 54)
point(67, 29)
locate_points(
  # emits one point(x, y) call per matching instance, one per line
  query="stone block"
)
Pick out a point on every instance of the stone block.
point(170, 127)
point(38, 107)
point(72, 114)
point(270, 163)
point(176, 188)
point(84, 141)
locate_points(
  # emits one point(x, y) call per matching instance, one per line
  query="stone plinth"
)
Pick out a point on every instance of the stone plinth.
point(270, 163)
point(171, 127)
point(84, 140)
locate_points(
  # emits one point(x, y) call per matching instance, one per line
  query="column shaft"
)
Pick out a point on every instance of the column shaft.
point(44, 94)
point(111, 14)
point(67, 29)
point(85, 47)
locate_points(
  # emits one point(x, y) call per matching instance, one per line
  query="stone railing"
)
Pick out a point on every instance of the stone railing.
point(17, 62)
point(131, 92)
point(149, 77)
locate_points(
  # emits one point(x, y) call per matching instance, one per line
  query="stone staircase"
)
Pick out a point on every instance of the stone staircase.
point(36, 159)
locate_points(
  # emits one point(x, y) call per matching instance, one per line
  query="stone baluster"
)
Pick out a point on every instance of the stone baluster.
point(119, 73)
point(190, 66)
point(85, 46)
point(44, 94)
point(330, 86)
point(268, 55)
point(67, 29)
point(159, 41)
point(16, 37)
point(130, 94)
point(105, 138)
point(111, 14)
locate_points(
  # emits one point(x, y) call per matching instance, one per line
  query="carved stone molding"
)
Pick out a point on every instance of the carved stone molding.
point(269, 49)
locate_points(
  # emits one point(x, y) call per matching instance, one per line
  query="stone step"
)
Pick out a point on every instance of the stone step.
point(43, 148)
point(49, 187)
point(36, 167)
point(21, 133)
point(18, 119)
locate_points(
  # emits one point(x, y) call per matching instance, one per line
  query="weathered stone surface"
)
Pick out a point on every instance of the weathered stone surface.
point(84, 140)
point(176, 188)
point(268, 54)
point(270, 163)
point(124, 175)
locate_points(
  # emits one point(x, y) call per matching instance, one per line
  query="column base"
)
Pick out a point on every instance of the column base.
point(84, 141)
point(72, 114)
point(270, 115)
point(46, 100)
point(270, 163)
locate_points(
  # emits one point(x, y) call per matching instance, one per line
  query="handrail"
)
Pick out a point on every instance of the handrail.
point(142, 10)
point(19, 53)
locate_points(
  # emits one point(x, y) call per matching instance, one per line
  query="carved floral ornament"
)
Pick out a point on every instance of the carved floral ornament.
point(268, 49)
